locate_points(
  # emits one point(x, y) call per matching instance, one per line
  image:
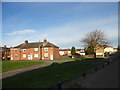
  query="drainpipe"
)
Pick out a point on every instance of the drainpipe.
point(20, 54)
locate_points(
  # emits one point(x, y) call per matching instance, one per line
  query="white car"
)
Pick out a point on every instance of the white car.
point(82, 53)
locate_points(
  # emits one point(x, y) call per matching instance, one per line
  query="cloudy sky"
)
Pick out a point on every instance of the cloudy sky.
point(62, 23)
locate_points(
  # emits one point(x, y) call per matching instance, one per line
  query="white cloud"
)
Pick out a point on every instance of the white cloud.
point(67, 35)
point(21, 32)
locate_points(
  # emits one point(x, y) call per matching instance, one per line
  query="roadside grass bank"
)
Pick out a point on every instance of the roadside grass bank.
point(86, 58)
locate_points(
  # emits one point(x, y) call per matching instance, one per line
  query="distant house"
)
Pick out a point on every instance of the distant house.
point(110, 49)
point(63, 52)
point(101, 51)
point(80, 51)
point(68, 51)
point(35, 51)
point(4, 52)
point(115, 49)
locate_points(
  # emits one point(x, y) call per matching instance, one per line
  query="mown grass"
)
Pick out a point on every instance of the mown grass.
point(13, 65)
point(85, 58)
point(48, 76)
point(0, 66)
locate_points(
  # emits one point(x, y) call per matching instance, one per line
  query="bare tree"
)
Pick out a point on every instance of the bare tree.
point(94, 40)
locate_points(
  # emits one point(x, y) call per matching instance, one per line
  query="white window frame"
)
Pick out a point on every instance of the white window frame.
point(46, 55)
point(24, 55)
point(24, 50)
point(45, 49)
point(35, 55)
point(35, 49)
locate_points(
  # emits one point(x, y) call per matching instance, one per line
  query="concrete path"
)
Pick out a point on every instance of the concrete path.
point(106, 77)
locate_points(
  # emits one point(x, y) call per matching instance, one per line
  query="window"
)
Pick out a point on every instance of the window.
point(45, 49)
point(35, 55)
point(24, 55)
point(24, 50)
point(36, 49)
point(46, 55)
point(15, 50)
point(15, 55)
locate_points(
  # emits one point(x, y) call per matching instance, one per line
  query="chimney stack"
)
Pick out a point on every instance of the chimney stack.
point(45, 41)
point(26, 41)
point(4, 46)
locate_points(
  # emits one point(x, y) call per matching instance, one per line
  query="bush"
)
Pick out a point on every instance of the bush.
point(76, 55)
point(73, 50)
point(7, 58)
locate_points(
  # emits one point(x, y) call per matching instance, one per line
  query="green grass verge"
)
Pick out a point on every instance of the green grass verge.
point(48, 76)
point(85, 58)
point(0, 66)
point(12, 65)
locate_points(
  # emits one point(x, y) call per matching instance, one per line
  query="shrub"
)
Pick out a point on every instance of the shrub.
point(76, 55)
point(73, 50)
point(7, 58)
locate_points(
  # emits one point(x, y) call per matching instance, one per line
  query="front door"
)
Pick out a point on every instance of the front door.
point(30, 57)
point(51, 57)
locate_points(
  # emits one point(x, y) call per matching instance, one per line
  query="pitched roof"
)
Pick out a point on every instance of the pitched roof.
point(35, 45)
point(48, 44)
point(4, 49)
point(64, 49)
point(70, 49)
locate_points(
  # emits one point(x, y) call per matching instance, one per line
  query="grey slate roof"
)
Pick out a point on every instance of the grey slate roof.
point(4, 49)
point(35, 45)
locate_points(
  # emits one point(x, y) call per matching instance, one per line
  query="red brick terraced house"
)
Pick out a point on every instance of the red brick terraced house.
point(35, 51)
point(4, 52)
point(63, 52)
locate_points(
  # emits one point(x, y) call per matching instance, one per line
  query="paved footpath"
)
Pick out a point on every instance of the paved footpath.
point(22, 70)
point(106, 77)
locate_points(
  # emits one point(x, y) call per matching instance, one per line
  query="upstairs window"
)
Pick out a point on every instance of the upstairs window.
point(24, 50)
point(35, 49)
point(45, 49)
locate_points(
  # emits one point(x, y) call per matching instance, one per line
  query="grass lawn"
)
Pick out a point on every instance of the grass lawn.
point(86, 58)
point(0, 66)
point(48, 76)
point(12, 65)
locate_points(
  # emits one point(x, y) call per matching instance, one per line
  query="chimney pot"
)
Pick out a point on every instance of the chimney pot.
point(4, 46)
point(45, 40)
point(26, 41)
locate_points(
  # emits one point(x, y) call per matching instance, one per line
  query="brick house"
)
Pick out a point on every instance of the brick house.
point(101, 51)
point(35, 51)
point(63, 52)
point(110, 49)
point(4, 52)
